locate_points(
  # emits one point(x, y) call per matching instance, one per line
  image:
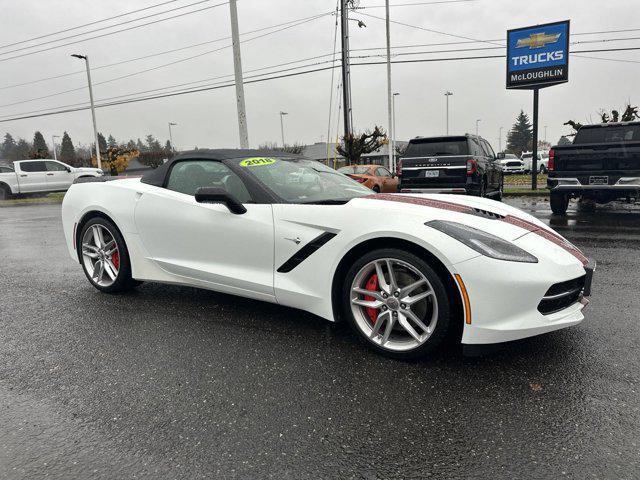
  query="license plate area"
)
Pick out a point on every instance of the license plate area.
point(599, 180)
point(431, 173)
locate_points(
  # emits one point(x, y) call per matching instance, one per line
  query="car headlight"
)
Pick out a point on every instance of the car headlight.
point(483, 242)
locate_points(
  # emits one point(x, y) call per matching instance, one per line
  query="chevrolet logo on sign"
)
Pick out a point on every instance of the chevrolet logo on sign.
point(537, 40)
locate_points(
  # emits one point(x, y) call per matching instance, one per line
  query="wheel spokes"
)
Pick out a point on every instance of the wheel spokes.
point(367, 303)
point(416, 298)
point(98, 248)
point(368, 293)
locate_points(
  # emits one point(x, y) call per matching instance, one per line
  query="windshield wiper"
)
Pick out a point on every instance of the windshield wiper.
point(332, 201)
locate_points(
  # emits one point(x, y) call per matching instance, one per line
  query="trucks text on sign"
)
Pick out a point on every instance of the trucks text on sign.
point(538, 56)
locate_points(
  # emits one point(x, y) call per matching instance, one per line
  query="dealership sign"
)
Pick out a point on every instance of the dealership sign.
point(538, 56)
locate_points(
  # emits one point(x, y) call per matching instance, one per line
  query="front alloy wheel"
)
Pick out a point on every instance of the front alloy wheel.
point(397, 303)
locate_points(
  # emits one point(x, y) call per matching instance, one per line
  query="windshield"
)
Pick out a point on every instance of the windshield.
point(303, 181)
point(354, 169)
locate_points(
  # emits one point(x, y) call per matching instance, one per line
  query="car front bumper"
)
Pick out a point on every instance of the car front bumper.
point(504, 297)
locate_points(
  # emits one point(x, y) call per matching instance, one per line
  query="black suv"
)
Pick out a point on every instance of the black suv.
point(452, 164)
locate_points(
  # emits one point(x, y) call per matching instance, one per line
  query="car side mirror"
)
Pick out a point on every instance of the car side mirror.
point(68, 169)
point(500, 156)
point(220, 195)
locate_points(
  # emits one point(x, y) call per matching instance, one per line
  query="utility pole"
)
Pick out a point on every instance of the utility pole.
point(93, 108)
point(477, 123)
point(282, 114)
point(346, 68)
point(500, 140)
point(447, 94)
point(171, 124)
point(389, 94)
point(237, 65)
point(53, 141)
point(545, 134)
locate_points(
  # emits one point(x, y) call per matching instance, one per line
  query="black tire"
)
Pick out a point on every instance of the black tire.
point(441, 328)
point(123, 280)
point(543, 169)
point(376, 188)
point(559, 203)
point(5, 192)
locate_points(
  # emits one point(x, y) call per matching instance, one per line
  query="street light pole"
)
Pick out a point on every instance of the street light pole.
point(447, 94)
point(477, 123)
point(282, 114)
point(53, 141)
point(171, 124)
point(545, 134)
point(237, 66)
point(393, 123)
point(93, 109)
point(500, 140)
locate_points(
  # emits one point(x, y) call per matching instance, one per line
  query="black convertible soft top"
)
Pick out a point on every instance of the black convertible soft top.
point(157, 177)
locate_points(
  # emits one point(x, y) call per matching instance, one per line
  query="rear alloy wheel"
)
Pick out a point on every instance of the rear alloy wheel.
point(105, 258)
point(396, 303)
point(559, 203)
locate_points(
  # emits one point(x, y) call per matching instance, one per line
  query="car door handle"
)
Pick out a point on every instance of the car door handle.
point(23, 175)
point(49, 174)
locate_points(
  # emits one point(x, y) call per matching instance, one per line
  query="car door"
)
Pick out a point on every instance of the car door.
point(59, 176)
point(389, 183)
point(32, 176)
point(229, 252)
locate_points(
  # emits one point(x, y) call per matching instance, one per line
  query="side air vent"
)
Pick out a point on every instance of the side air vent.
point(305, 252)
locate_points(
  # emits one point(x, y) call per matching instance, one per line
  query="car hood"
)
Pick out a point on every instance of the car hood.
point(490, 216)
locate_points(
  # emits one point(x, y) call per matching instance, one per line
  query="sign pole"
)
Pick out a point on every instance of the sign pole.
point(534, 158)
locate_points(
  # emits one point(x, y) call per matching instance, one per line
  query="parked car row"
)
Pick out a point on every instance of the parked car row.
point(40, 176)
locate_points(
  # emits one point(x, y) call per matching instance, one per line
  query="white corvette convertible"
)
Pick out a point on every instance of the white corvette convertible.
point(403, 270)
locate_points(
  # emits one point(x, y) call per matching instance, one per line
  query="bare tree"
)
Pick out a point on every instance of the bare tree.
point(630, 114)
point(354, 146)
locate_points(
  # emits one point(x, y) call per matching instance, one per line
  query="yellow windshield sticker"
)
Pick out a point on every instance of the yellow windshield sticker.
point(257, 161)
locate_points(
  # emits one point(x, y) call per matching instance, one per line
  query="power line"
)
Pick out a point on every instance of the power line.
point(88, 24)
point(416, 4)
point(157, 67)
point(144, 57)
point(66, 109)
point(106, 34)
point(102, 28)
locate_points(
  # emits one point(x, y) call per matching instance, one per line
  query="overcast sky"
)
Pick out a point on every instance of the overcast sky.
point(208, 119)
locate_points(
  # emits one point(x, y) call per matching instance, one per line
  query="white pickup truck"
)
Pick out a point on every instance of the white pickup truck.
point(37, 176)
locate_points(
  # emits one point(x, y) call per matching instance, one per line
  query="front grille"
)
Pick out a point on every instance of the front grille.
point(561, 295)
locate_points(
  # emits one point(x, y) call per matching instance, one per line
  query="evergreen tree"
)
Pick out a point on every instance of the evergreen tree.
point(40, 149)
point(520, 137)
point(102, 143)
point(67, 151)
point(8, 148)
point(168, 147)
point(141, 147)
point(22, 149)
point(131, 145)
point(153, 144)
point(111, 142)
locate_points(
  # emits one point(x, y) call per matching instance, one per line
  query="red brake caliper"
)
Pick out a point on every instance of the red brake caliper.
point(115, 259)
point(372, 285)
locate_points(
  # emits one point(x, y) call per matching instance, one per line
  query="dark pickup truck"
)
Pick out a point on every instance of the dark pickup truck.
point(602, 164)
point(452, 164)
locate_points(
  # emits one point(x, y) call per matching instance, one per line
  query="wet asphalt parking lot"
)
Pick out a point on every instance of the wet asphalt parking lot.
point(174, 382)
